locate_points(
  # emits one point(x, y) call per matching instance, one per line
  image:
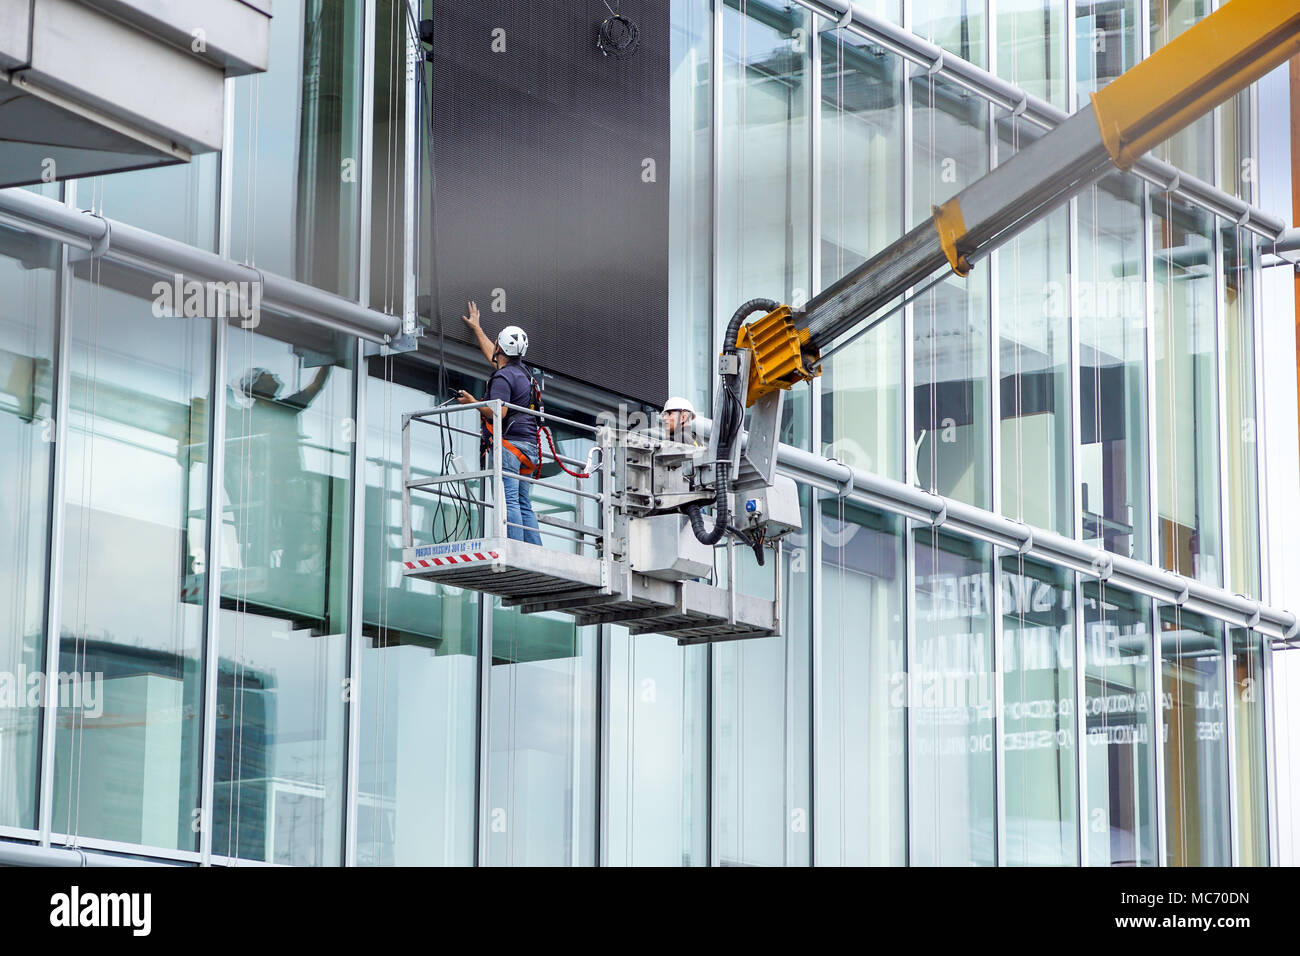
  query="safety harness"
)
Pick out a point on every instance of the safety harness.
point(527, 466)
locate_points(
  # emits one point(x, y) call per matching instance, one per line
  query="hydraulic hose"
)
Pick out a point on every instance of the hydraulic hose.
point(731, 421)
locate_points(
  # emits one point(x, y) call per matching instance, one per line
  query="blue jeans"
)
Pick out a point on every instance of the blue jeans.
point(519, 504)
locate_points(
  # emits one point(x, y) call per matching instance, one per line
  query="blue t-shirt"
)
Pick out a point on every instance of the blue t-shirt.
point(512, 384)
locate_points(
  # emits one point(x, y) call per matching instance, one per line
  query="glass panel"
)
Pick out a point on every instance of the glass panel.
point(689, 221)
point(1031, 47)
point(1112, 325)
point(179, 202)
point(952, 439)
point(127, 759)
point(956, 25)
point(27, 323)
point(861, 767)
point(1239, 170)
point(765, 170)
point(1106, 42)
point(541, 775)
point(388, 163)
point(1038, 725)
point(656, 764)
point(1242, 493)
point(1117, 706)
point(419, 652)
point(296, 189)
point(1191, 150)
point(1251, 786)
point(1034, 435)
point(1196, 759)
point(541, 771)
point(1185, 392)
point(862, 189)
point(761, 719)
point(952, 783)
point(284, 559)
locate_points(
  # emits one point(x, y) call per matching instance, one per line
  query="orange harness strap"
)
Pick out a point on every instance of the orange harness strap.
point(527, 466)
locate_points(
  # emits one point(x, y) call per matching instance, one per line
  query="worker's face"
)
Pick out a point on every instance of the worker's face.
point(676, 421)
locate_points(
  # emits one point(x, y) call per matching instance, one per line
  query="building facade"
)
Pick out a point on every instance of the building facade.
point(201, 516)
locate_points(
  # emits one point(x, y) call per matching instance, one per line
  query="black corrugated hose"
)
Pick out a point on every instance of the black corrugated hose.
point(734, 418)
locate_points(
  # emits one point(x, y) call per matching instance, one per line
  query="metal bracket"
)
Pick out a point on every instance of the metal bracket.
point(846, 486)
point(1028, 543)
point(399, 344)
point(1181, 599)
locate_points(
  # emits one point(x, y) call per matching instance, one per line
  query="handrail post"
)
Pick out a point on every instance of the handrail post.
point(408, 537)
point(606, 513)
point(498, 482)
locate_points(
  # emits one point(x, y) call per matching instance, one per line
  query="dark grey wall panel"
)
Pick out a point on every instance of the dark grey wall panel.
point(539, 154)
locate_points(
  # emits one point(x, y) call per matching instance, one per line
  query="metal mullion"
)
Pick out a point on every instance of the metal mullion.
point(361, 382)
point(1266, 679)
point(1259, 412)
point(993, 432)
point(816, 440)
point(54, 551)
point(1081, 722)
point(908, 151)
point(483, 731)
point(414, 60)
point(999, 712)
point(1230, 733)
point(212, 589)
point(1221, 405)
point(352, 699)
point(604, 747)
point(715, 182)
point(1158, 729)
point(215, 507)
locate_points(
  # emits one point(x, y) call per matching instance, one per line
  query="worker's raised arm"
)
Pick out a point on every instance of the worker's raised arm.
point(485, 344)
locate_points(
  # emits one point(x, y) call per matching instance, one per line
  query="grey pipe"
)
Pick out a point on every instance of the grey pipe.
point(168, 257)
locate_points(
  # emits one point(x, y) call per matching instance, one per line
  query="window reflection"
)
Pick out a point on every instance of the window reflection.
point(296, 150)
point(1185, 390)
point(765, 161)
point(1119, 714)
point(418, 687)
point(656, 770)
point(27, 308)
point(1250, 789)
point(127, 757)
point(861, 765)
point(284, 558)
point(1112, 324)
point(761, 756)
point(1196, 771)
point(951, 784)
point(1241, 498)
point(1038, 714)
point(862, 177)
point(952, 439)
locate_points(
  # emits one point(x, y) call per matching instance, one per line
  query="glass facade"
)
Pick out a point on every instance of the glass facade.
point(291, 697)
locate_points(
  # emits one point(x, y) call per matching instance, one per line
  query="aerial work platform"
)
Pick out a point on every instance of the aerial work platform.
point(604, 568)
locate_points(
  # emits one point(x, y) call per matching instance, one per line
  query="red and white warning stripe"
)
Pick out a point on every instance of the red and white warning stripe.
point(452, 559)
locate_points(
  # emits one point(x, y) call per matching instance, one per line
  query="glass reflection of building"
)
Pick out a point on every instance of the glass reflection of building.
point(935, 700)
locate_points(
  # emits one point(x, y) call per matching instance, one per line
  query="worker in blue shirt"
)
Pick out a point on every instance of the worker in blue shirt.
point(510, 382)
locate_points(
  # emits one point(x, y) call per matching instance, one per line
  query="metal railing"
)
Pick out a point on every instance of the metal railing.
point(491, 498)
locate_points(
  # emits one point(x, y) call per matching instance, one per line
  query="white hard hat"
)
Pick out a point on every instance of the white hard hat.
point(679, 404)
point(513, 341)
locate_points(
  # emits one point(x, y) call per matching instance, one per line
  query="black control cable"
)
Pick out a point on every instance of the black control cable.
point(731, 421)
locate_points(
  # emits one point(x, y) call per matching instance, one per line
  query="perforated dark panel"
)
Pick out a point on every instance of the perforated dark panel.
point(542, 150)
